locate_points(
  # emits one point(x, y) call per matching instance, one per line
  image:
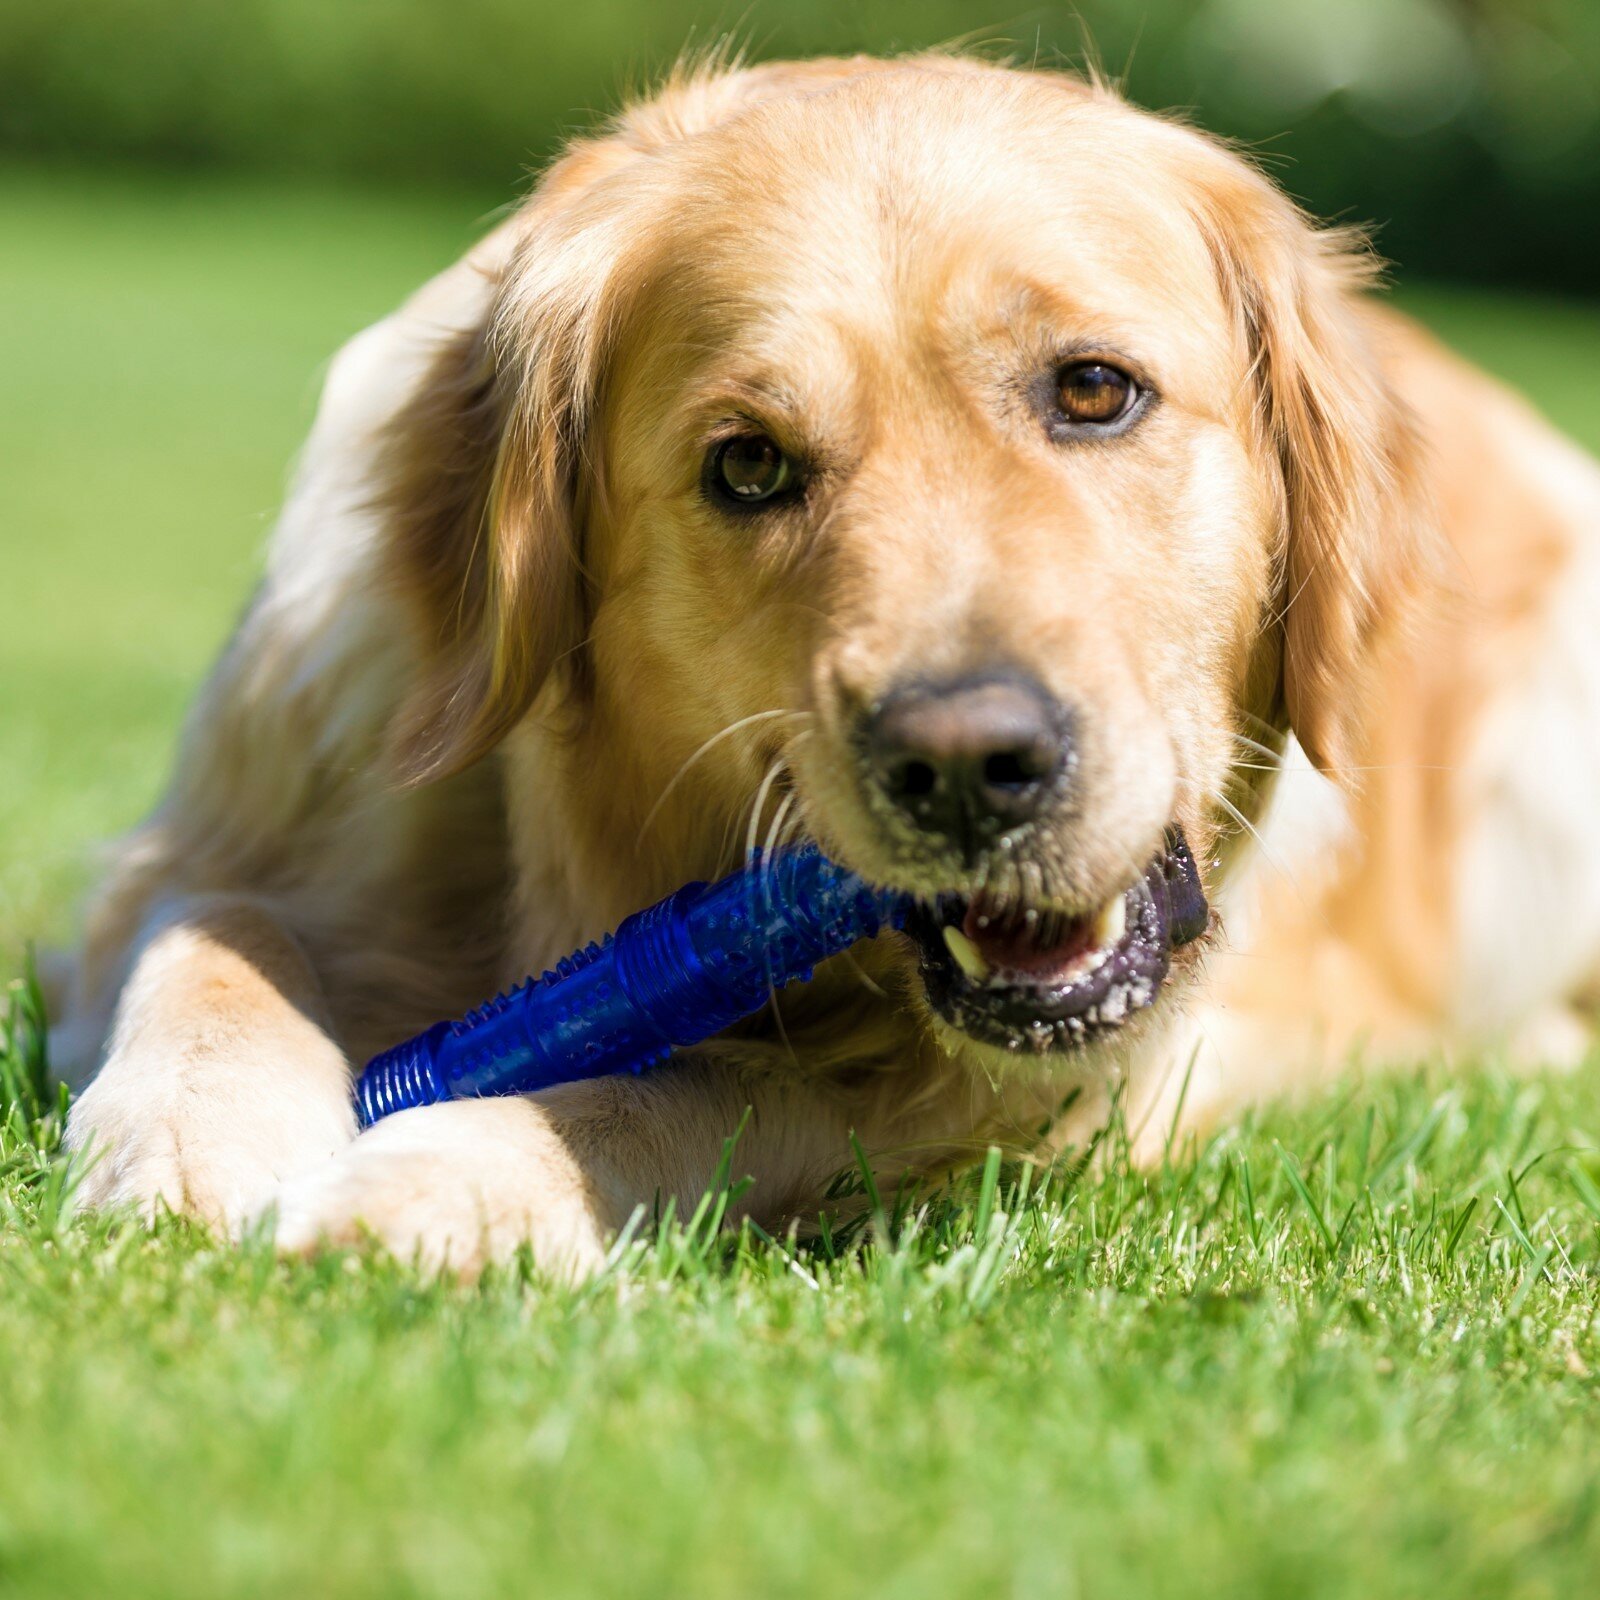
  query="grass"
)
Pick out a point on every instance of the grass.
point(1346, 1349)
point(1346, 1352)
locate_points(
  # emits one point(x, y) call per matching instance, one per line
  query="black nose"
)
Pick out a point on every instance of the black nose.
point(972, 757)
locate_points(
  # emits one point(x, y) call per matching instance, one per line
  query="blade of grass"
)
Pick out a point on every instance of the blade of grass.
point(1292, 1172)
point(986, 1193)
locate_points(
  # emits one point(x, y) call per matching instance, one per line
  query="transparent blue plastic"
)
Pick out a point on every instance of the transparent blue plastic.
point(672, 975)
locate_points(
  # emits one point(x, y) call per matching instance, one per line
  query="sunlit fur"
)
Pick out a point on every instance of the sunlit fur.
point(512, 674)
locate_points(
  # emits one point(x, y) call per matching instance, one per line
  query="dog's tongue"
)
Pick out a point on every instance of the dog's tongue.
point(1039, 949)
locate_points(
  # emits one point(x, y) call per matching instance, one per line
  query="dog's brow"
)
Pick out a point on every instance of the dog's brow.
point(747, 393)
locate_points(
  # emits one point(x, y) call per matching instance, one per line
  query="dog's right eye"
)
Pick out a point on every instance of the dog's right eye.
point(751, 470)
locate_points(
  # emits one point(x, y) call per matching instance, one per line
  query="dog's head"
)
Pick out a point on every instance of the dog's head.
point(952, 464)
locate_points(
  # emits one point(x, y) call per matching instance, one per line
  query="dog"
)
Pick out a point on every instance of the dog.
point(1002, 486)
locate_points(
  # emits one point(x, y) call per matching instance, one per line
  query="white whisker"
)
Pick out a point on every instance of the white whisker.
point(760, 805)
point(778, 819)
point(1313, 772)
point(1272, 860)
point(716, 738)
point(1275, 756)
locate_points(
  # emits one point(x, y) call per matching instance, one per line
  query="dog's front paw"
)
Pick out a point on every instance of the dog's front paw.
point(452, 1187)
point(217, 1156)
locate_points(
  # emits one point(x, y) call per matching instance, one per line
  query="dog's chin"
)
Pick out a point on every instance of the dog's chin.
point(1026, 980)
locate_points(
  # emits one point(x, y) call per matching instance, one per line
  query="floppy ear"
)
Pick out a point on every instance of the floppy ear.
point(480, 480)
point(1358, 544)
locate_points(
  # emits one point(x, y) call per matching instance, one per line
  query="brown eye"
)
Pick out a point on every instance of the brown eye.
point(1095, 392)
point(751, 469)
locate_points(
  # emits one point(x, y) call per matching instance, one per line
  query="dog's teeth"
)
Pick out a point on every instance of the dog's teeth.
point(967, 955)
point(1112, 922)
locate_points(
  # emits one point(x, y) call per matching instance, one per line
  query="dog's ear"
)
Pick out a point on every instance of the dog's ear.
point(481, 485)
point(1359, 547)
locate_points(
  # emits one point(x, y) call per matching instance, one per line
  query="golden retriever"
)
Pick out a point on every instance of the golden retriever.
point(1006, 488)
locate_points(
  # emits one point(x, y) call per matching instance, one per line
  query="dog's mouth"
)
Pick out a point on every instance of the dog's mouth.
point(1045, 981)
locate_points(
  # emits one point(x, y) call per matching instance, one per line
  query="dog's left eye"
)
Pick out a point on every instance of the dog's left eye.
point(1095, 392)
point(751, 470)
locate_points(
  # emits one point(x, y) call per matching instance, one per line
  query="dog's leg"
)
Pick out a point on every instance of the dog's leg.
point(220, 1079)
point(467, 1182)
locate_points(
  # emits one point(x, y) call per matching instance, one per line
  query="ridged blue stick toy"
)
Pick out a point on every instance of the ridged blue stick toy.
point(672, 975)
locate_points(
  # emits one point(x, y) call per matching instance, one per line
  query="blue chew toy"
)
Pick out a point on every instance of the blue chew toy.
point(671, 975)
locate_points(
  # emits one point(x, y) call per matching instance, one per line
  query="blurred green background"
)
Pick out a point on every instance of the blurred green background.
point(200, 199)
point(1469, 129)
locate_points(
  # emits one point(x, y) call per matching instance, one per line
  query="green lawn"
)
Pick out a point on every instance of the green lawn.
point(1345, 1350)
